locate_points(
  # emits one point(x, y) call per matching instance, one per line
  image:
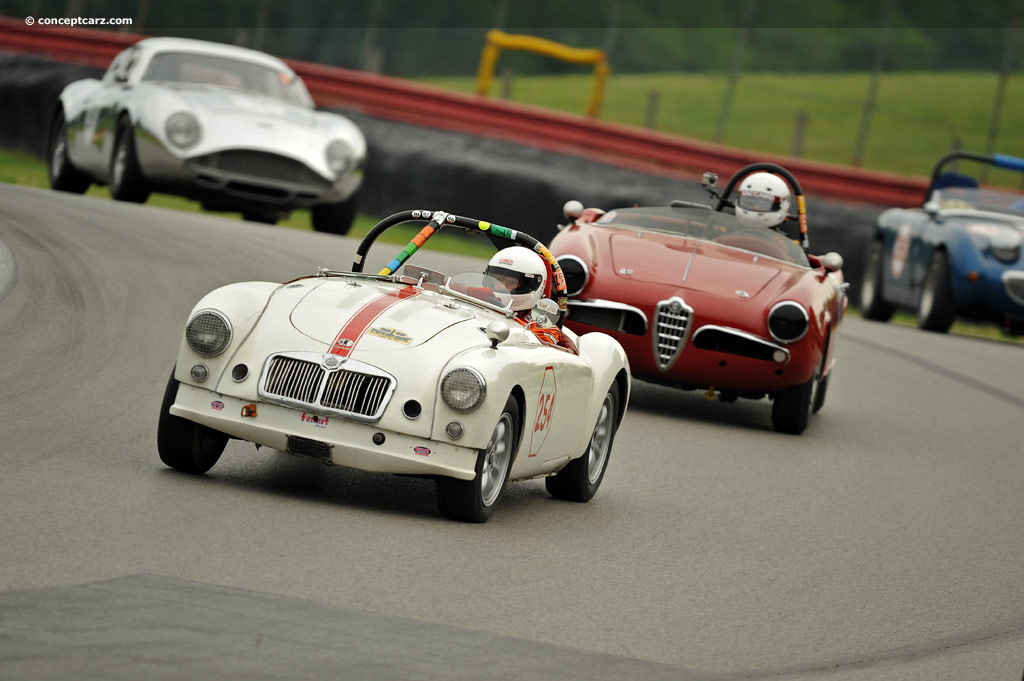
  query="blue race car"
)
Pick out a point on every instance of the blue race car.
point(957, 255)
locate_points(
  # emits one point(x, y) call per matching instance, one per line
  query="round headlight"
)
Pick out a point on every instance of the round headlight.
point(1005, 246)
point(788, 321)
point(208, 333)
point(463, 389)
point(182, 129)
point(576, 273)
point(339, 157)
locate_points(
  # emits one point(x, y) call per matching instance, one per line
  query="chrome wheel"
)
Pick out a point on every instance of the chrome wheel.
point(601, 440)
point(120, 162)
point(497, 458)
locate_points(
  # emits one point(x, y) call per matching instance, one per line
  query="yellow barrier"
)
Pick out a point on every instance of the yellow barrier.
point(496, 40)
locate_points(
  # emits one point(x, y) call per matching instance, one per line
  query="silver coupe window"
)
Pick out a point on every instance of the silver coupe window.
point(205, 69)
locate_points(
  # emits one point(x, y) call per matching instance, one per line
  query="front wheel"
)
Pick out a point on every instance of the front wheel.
point(126, 180)
point(473, 501)
point(334, 218)
point(581, 477)
point(184, 445)
point(64, 176)
point(936, 308)
point(792, 407)
point(872, 303)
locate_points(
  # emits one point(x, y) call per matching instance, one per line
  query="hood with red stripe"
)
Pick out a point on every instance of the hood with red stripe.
point(353, 316)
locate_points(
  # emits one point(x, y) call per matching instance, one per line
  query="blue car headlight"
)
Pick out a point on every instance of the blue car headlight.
point(1005, 246)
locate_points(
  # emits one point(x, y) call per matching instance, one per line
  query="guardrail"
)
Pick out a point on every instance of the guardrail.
point(400, 100)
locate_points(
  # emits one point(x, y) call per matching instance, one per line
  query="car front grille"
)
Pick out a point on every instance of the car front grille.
point(327, 384)
point(1014, 283)
point(672, 323)
point(314, 449)
point(261, 164)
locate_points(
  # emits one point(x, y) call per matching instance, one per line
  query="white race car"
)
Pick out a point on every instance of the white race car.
point(408, 371)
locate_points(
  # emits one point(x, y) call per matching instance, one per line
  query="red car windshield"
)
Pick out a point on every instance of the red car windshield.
point(701, 222)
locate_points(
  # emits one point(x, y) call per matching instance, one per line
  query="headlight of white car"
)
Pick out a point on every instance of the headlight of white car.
point(182, 130)
point(1005, 246)
point(463, 389)
point(340, 157)
point(208, 333)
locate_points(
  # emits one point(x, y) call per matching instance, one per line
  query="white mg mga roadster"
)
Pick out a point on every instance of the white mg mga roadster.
point(407, 371)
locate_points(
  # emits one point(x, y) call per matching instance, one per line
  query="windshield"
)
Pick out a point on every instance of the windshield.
point(701, 222)
point(206, 69)
point(974, 198)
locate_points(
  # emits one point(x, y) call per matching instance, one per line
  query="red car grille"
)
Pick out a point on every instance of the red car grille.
point(671, 327)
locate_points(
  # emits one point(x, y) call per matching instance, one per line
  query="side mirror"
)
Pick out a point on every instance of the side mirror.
point(572, 210)
point(709, 180)
point(497, 332)
point(832, 261)
point(931, 208)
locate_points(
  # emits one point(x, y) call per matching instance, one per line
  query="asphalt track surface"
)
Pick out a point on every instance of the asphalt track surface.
point(884, 543)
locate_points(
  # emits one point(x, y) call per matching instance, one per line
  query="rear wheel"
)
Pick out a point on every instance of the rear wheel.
point(184, 445)
point(872, 304)
point(126, 180)
point(63, 175)
point(334, 218)
point(473, 501)
point(581, 477)
point(936, 309)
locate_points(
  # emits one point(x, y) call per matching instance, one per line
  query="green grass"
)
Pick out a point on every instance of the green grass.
point(917, 116)
point(17, 167)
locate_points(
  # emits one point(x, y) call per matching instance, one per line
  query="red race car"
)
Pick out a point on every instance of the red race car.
point(722, 297)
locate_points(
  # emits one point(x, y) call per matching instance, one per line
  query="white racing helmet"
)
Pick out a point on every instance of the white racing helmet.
point(518, 276)
point(762, 200)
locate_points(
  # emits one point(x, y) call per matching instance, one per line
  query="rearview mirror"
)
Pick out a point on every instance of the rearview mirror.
point(832, 261)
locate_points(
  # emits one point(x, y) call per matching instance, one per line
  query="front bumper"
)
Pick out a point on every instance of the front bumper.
point(332, 440)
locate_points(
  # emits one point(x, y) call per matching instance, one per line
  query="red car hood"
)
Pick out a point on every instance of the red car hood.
point(690, 263)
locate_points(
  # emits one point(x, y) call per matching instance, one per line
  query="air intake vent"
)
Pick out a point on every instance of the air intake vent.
point(314, 449)
point(671, 326)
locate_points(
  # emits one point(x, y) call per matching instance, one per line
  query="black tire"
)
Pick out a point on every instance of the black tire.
point(473, 501)
point(792, 407)
point(126, 180)
point(819, 394)
point(184, 445)
point(872, 303)
point(936, 309)
point(64, 176)
point(334, 218)
point(581, 477)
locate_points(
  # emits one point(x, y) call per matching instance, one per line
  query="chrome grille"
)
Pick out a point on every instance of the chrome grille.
point(326, 384)
point(672, 321)
point(353, 392)
point(261, 164)
point(294, 379)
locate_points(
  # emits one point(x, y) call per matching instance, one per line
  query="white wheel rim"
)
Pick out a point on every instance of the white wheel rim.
point(600, 441)
point(496, 460)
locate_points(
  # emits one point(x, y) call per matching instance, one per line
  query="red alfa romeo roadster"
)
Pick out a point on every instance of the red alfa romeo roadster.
point(722, 297)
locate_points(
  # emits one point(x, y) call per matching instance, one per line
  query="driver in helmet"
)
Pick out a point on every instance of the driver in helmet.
point(518, 277)
point(762, 200)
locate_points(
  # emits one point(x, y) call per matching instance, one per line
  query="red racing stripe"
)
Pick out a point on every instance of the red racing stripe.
point(345, 342)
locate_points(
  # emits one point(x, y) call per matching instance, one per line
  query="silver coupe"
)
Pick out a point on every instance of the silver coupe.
point(230, 127)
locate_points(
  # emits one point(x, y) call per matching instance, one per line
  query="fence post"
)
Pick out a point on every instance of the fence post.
point(651, 117)
point(798, 134)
